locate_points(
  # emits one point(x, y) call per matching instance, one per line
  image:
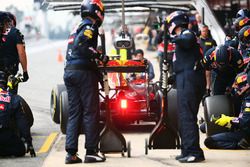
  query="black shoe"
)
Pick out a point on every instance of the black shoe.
point(191, 159)
point(72, 159)
point(179, 157)
point(92, 158)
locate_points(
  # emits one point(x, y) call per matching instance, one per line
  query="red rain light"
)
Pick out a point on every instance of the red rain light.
point(124, 104)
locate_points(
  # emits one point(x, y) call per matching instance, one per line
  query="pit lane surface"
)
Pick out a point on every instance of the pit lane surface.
point(45, 72)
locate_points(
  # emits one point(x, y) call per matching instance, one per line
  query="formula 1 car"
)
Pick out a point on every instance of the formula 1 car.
point(131, 100)
point(133, 97)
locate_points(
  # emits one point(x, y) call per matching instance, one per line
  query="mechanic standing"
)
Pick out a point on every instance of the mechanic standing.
point(13, 51)
point(13, 139)
point(190, 82)
point(81, 78)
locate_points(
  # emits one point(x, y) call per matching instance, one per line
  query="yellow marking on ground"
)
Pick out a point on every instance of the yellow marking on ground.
point(48, 143)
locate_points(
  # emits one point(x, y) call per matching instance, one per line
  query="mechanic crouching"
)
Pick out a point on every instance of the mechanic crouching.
point(239, 135)
point(81, 78)
point(190, 83)
point(13, 139)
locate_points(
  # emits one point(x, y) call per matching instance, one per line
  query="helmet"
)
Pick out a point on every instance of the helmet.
point(241, 22)
point(241, 85)
point(244, 35)
point(177, 19)
point(93, 9)
point(243, 13)
point(3, 78)
point(222, 55)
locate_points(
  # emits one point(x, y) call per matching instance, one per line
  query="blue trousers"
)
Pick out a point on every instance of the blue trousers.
point(83, 98)
point(190, 89)
point(227, 140)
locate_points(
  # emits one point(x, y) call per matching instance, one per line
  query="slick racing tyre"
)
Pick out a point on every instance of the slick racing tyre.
point(28, 113)
point(64, 113)
point(172, 108)
point(214, 106)
point(64, 108)
point(54, 102)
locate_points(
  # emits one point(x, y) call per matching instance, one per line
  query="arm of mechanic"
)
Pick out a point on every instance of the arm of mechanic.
point(186, 40)
point(22, 56)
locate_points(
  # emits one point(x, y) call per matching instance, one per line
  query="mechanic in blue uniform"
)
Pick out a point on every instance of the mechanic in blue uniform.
point(225, 62)
point(244, 39)
point(190, 82)
point(240, 21)
point(13, 51)
point(205, 39)
point(81, 78)
point(240, 126)
point(13, 143)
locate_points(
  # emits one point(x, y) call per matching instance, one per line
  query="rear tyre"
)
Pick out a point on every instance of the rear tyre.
point(64, 108)
point(215, 106)
point(146, 146)
point(129, 149)
point(55, 102)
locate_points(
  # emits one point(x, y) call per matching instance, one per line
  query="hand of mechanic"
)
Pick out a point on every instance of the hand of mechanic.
point(30, 149)
point(25, 76)
point(104, 59)
point(224, 121)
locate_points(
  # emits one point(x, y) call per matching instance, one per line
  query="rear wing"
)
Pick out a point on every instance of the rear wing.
point(124, 66)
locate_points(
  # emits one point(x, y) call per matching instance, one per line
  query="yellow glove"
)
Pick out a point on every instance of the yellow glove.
point(224, 121)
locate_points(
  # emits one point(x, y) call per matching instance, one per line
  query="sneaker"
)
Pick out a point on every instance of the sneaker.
point(179, 157)
point(191, 159)
point(94, 158)
point(72, 159)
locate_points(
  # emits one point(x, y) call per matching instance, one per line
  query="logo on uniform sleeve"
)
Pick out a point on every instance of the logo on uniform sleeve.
point(2, 107)
point(88, 33)
point(5, 99)
point(71, 40)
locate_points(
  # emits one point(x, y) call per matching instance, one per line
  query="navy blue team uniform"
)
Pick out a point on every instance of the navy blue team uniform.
point(81, 80)
point(190, 81)
point(81, 77)
point(11, 142)
point(225, 63)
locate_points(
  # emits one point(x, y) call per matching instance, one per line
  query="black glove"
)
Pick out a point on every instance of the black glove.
point(207, 93)
point(30, 149)
point(25, 76)
point(105, 59)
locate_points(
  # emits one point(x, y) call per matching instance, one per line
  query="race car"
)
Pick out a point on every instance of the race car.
point(129, 100)
point(133, 98)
